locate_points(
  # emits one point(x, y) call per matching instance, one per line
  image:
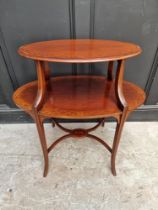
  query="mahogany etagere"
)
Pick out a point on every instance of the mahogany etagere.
point(80, 96)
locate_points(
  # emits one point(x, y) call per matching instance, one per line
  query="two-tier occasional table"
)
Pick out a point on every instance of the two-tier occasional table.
point(79, 96)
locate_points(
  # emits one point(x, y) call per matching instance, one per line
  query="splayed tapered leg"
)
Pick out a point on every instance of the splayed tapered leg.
point(116, 142)
point(41, 133)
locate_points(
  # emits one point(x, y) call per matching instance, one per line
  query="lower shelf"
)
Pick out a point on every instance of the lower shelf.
point(79, 97)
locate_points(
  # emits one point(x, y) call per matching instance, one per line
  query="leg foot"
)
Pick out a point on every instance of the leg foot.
point(113, 170)
point(53, 123)
point(103, 123)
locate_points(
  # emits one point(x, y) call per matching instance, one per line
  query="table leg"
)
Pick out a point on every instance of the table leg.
point(119, 86)
point(38, 103)
point(117, 136)
point(103, 122)
point(46, 68)
point(42, 137)
point(110, 70)
point(110, 77)
point(41, 92)
point(122, 104)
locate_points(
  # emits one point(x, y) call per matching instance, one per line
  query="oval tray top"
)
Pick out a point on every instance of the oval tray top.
point(79, 97)
point(79, 50)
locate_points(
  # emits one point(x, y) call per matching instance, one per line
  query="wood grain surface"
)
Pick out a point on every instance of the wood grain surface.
point(79, 50)
point(79, 97)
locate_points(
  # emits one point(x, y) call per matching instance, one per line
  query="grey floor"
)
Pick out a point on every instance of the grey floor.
point(79, 176)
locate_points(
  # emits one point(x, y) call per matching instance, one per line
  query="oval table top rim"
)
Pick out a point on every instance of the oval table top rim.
point(85, 115)
point(32, 50)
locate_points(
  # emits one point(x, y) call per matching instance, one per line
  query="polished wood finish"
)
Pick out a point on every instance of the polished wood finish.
point(110, 74)
point(79, 133)
point(79, 51)
point(79, 97)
